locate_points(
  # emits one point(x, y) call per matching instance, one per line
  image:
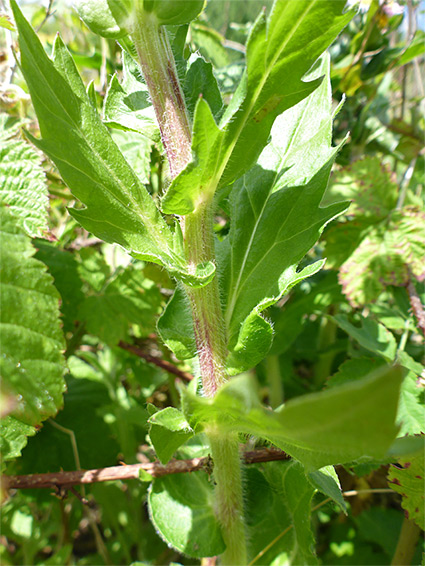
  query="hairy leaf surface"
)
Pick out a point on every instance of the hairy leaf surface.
point(280, 51)
point(118, 208)
point(331, 427)
point(32, 365)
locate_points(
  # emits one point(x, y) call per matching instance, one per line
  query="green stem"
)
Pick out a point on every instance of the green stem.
point(228, 495)
point(406, 546)
point(158, 67)
point(160, 73)
point(274, 379)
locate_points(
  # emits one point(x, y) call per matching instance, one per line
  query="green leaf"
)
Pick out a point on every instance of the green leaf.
point(285, 525)
point(129, 299)
point(331, 427)
point(409, 482)
point(354, 369)
point(175, 326)
point(280, 52)
point(200, 80)
point(118, 208)
point(182, 511)
point(168, 431)
point(23, 186)
point(63, 267)
point(137, 151)
point(327, 482)
point(368, 183)
point(387, 256)
point(127, 106)
point(370, 335)
point(6, 23)
point(32, 363)
point(258, 259)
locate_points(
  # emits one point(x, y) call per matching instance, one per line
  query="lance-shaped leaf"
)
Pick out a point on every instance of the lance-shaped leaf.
point(118, 208)
point(280, 51)
point(32, 365)
point(331, 427)
point(276, 219)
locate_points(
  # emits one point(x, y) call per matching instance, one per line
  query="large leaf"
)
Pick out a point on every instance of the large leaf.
point(23, 186)
point(181, 509)
point(331, 427)
point(118, 208)
point(276, 219)
point(280, 51)
point(32, 364)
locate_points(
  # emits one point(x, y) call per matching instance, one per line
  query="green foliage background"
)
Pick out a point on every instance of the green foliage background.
point(345, 322)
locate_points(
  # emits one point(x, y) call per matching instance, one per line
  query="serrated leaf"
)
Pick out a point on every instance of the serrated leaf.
point(410, 483)
point(118, 208)
point(63, 267)
point(127, 105)
point(280, 52)
point(319, 429)
point(32, 364)
point(129, 299)
point(23, 186)
point(168, 431)
point(182, 511)
point(387, 256)
point(368, 183)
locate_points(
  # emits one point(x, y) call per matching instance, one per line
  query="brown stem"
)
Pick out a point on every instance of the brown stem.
point(417, 306)
point(127, 472)
point(163, 364)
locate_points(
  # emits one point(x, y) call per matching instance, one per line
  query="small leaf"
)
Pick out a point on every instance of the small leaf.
point(327, 482)
point(127, 105)
point(181, 509)
point(175, 326)
point(200, 80)
point(410, 483)
point(168, 431)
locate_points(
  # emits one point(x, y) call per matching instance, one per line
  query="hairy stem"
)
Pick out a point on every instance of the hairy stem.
point(160, 73)
point(228, 495)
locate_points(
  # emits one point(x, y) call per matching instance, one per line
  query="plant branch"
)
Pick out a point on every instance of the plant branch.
point(159, 362)
point(416, 304)
point(128, 472)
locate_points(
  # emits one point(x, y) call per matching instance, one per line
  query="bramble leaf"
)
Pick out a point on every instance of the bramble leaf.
point(387, 256)
point(32, 364)
point(331, 427)
point(23, 186)
point(410, 482)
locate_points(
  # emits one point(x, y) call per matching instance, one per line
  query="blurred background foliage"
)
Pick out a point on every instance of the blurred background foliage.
point(330, 329)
